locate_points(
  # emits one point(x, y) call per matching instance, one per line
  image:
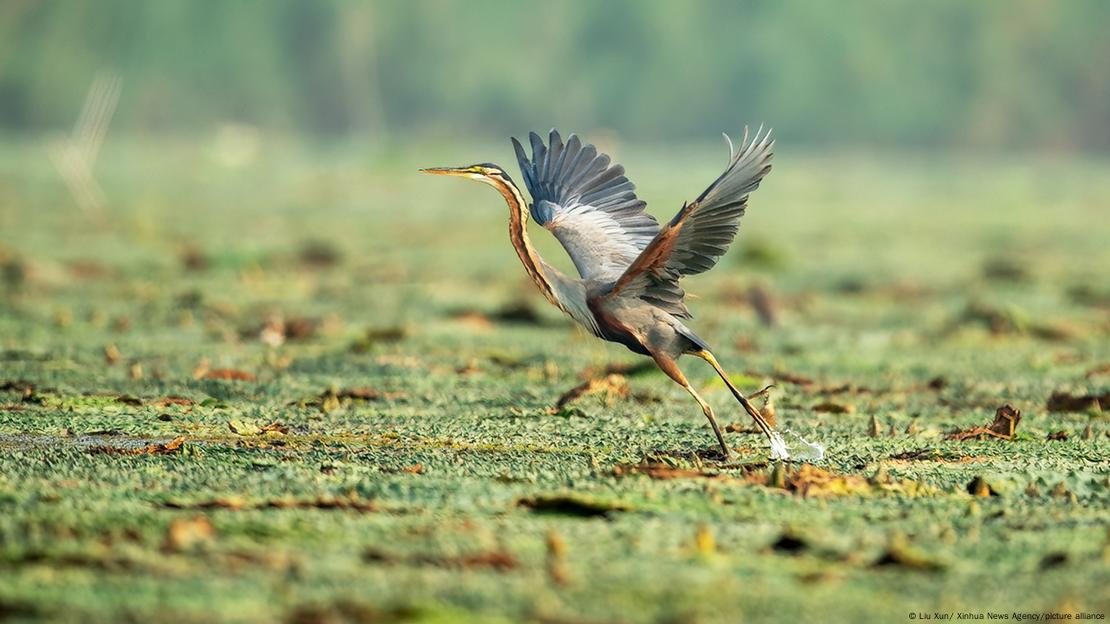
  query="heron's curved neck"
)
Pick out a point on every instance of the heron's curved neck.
point(518, 234)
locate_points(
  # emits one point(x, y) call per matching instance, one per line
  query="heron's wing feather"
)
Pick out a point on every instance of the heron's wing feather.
point(696, 238)
point(571, 296)
point(587, 203)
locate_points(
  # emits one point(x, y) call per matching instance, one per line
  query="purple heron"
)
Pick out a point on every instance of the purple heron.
point(629, 267)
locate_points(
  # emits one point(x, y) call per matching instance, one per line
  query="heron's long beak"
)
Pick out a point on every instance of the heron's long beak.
point(455, 171)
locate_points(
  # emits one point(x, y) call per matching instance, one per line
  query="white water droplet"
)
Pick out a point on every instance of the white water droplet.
point(805, 450)
point(779, 450)
point(802, 450)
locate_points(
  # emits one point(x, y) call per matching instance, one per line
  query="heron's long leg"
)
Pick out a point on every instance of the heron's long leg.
point(766, 427)
point(669, 366)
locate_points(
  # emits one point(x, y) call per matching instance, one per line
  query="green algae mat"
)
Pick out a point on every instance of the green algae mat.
point(317, 387)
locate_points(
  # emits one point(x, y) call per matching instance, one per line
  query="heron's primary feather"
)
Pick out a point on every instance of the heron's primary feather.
point(695, 239)
point(587, 203)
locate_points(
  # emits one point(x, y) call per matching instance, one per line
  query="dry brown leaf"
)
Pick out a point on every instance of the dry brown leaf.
point(981, 488)
point(272, 332)
point(127, 399)
point(18, 385)
point(809, 481)
point(243, 427)
point(332, 398)
point(791, 541)
point(901, 554)
point(764, 304)
point(1006, 420)
point(278, 328)
point(873, 428)
point(746, 344)
point(470, 367)
point(476, 320)
point(998, 320)
point(924, 454)
point(301, 328)
point(556, 559)
point(613, 386)
point(171, 400)
point(832, 407)
point(519, 312)
point(1103, 369)
point(841, 388)
point(87, 269)
point(187, 533)
point(192, 258)
point(367, 394)
point(201, 369)
point(738, 428)
point(661, 471)
point(1065, 402)
point(342, 503)
point(499, 560)
point(376, 336)
point(232, 502)
point(229, 374)
point(319, 254)
point(1057, 330)
point(151, 449)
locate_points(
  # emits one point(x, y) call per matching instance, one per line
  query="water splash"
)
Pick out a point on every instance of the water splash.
point(802, 450)
point(805, 450)
point(779, 450)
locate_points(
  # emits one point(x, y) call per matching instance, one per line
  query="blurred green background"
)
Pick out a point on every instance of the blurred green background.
point(994, 74)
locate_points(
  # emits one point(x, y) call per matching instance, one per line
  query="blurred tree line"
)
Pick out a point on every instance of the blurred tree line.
point(992, 73)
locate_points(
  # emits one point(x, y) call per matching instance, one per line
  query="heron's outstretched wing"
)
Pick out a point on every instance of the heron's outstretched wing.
point(695, 239)
point(587, 203)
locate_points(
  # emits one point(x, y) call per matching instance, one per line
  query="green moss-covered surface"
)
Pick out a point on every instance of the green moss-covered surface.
point(364, 382)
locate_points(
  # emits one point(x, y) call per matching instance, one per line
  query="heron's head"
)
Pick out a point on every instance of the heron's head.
point(484, 172)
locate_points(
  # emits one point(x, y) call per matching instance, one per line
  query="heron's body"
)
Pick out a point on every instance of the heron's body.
point(629, 267)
